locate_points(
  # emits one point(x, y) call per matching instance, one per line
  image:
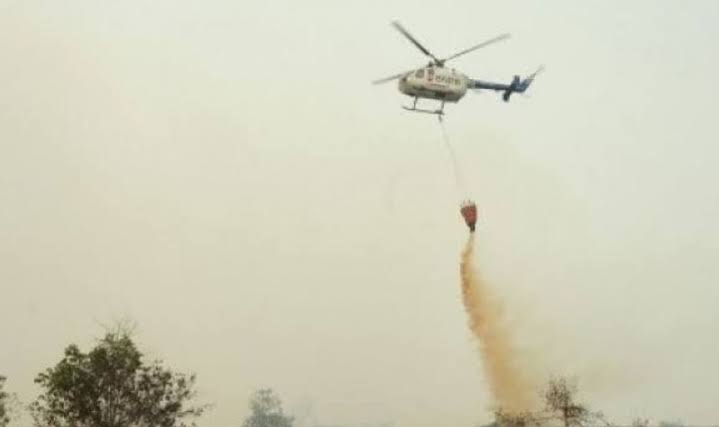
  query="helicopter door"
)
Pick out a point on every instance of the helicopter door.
point(430, 74)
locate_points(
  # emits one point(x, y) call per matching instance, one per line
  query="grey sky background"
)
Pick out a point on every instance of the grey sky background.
point(224, 174)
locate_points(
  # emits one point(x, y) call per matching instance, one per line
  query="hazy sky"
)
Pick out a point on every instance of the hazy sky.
point(224, 174)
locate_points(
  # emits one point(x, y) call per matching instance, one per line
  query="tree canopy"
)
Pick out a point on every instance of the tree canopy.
point(266, 411)
point(113, 386)
point(4, 403)
point(560, 405)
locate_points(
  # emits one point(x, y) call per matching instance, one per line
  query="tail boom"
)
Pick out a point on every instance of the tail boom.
point(517, 85)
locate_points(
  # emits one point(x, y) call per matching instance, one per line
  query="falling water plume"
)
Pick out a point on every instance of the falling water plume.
point(510, 389)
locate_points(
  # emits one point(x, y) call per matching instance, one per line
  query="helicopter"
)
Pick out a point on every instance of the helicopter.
point(437, 82)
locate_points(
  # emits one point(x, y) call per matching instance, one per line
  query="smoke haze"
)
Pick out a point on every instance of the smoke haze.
point(224, 174)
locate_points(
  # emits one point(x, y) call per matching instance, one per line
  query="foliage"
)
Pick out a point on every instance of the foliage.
point(112, 386)
point(4, 403)
point(266, 411)
point(559, 397)
point(517, 419)
point(560, 402)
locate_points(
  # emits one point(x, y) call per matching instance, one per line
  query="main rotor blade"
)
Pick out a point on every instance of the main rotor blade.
point(390, 78)
point(414, 41)
point(481, 45)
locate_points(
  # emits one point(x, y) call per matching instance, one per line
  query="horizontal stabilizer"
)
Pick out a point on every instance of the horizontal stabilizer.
point(517, 85)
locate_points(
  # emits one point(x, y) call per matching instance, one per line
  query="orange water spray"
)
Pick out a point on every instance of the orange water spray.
point(511, 389)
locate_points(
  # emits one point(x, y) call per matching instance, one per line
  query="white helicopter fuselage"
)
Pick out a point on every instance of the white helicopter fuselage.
point(433, 82)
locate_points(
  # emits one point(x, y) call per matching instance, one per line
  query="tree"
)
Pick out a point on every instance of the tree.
point(4, 404)
point(560, 403)
point(9, 404)
point(113, 386)
point(267, 411)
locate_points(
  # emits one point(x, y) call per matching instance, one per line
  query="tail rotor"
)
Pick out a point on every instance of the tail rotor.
point(520, 86)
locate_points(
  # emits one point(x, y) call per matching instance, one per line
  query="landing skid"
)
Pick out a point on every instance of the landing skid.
point(414, 108)
point(420, 110)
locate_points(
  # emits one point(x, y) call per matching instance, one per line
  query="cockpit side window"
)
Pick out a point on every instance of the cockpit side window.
point(419, 74)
